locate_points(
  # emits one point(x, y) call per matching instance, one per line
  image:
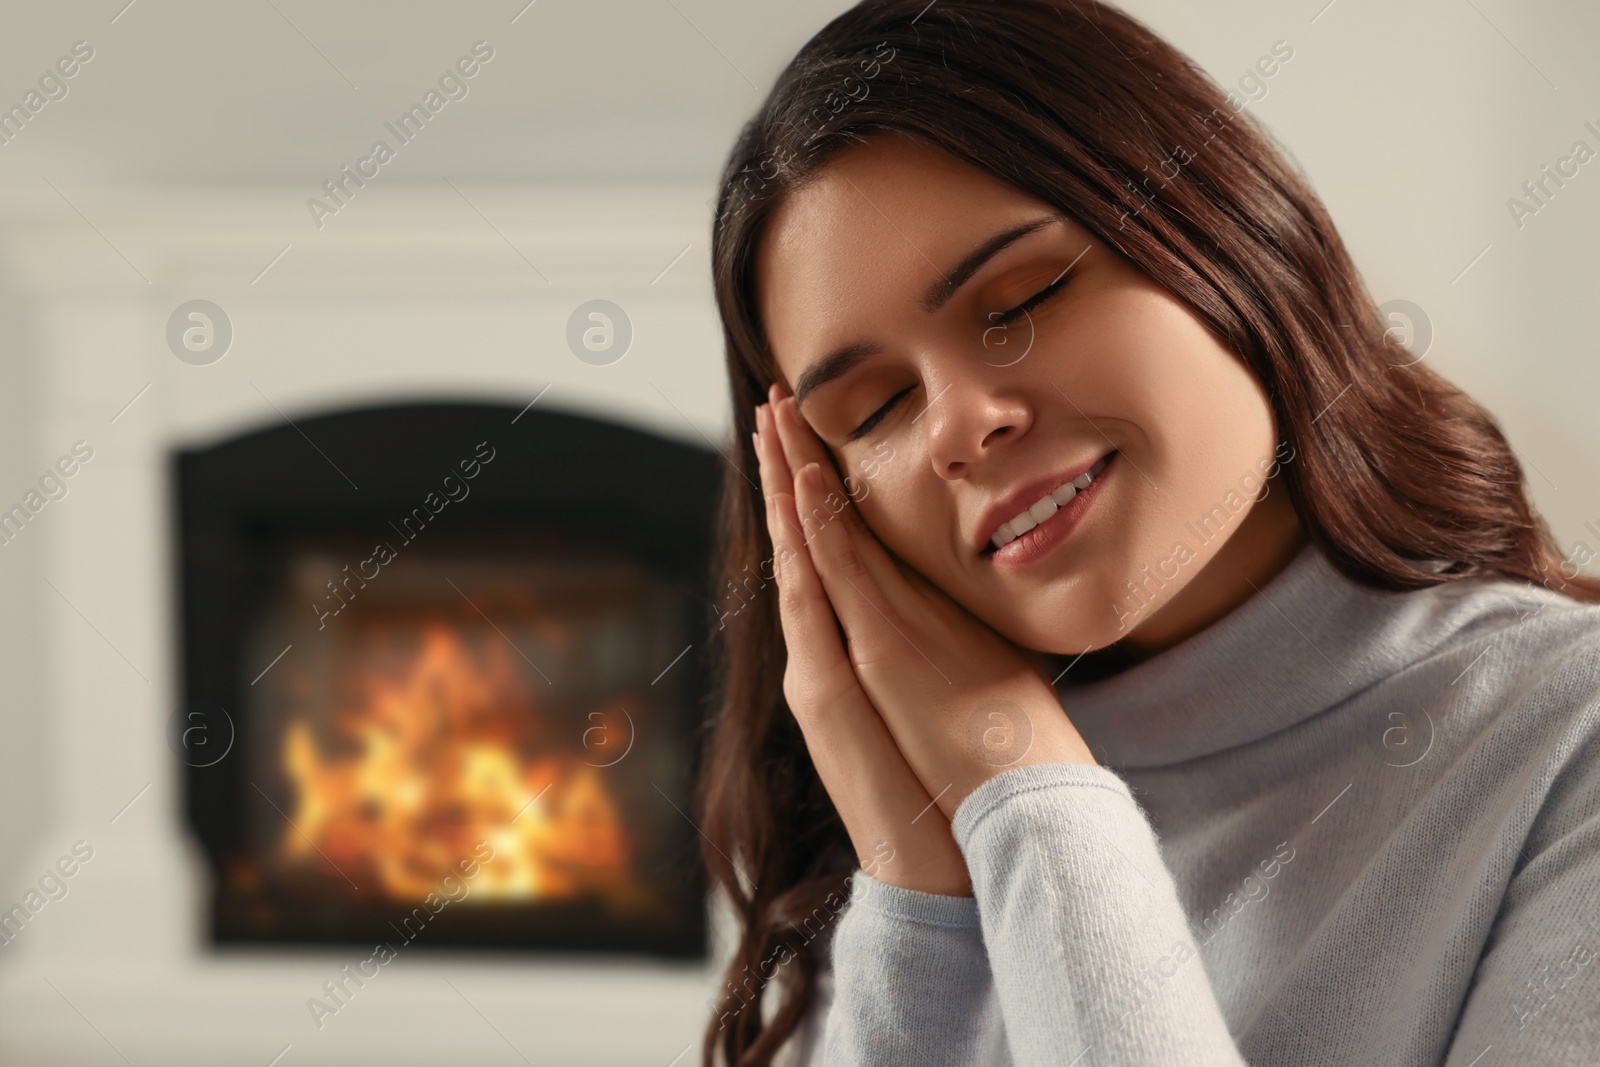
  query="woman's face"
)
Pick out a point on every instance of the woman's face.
point(887, 289)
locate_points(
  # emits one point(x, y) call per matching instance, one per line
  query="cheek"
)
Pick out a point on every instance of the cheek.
point(1209, 426)
point(886, 503)
point(1193, 425)
point(1187, 410)
point(911, 518)
point(1213, 430)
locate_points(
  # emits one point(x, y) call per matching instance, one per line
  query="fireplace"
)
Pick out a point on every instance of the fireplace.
point(441, 680)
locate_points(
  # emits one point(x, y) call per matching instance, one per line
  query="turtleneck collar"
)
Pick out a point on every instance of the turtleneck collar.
point(1305, 640)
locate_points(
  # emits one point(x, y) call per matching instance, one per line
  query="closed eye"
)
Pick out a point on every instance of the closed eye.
point(1005, 318)
point(877, 416)
point(999, 318)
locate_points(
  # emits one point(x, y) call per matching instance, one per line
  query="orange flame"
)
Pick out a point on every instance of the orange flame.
point(444, 756)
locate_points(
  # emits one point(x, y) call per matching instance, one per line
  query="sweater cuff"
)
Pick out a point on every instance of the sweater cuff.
point(985, 799)
point(912, 905)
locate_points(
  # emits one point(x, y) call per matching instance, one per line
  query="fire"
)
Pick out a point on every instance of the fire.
point(435, 749)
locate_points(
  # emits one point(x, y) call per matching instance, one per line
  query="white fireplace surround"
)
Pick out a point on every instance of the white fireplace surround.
point(407, 294)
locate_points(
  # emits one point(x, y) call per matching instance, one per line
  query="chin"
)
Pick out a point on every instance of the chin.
point(1067, 623)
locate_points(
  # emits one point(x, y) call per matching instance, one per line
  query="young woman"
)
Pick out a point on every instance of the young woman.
point(1129, 654)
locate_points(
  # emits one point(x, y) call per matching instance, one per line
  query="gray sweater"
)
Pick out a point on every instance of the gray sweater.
point(1337, 826)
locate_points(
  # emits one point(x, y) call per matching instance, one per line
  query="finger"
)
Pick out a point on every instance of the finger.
point(810, 628)
point(776, 478)
point(894, 580)
point(803, 446)
point(774, 465)
point(851, 585)
point(880, 798)
point(878, 794)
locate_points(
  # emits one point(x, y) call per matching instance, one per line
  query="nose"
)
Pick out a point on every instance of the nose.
point(971, 413)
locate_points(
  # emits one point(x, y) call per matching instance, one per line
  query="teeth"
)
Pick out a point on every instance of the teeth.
point(1046, 507)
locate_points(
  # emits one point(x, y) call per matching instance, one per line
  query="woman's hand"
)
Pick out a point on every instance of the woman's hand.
point(899, 835)
point(962, 702)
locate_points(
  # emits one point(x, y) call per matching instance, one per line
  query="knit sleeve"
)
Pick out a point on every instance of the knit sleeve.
point(1090, 949)
point(911, 983)
point(1534, 993)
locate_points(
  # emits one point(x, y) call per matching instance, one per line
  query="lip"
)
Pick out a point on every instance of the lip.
point(1037, 541)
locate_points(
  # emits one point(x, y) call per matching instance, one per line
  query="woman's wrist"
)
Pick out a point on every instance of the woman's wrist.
point(934, 879)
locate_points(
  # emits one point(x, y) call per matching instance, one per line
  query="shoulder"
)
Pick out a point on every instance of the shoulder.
point(1530, 674)
point(1524, 640)
point(1509, 674)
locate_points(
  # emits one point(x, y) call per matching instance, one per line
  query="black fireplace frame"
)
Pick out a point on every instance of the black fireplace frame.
point(560, 481)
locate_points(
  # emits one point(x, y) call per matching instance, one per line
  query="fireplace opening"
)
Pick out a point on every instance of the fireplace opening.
point(454, 648)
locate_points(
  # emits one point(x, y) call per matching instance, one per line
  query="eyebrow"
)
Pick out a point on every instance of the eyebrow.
point(842, 360)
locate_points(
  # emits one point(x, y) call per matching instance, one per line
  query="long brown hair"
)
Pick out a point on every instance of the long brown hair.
point(1076, 103)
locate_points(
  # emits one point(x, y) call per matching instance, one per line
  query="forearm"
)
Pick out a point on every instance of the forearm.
point(1091, 953)
point(911, 982)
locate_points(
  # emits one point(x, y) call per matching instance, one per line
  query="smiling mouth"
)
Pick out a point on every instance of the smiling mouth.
point(1046, 508)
